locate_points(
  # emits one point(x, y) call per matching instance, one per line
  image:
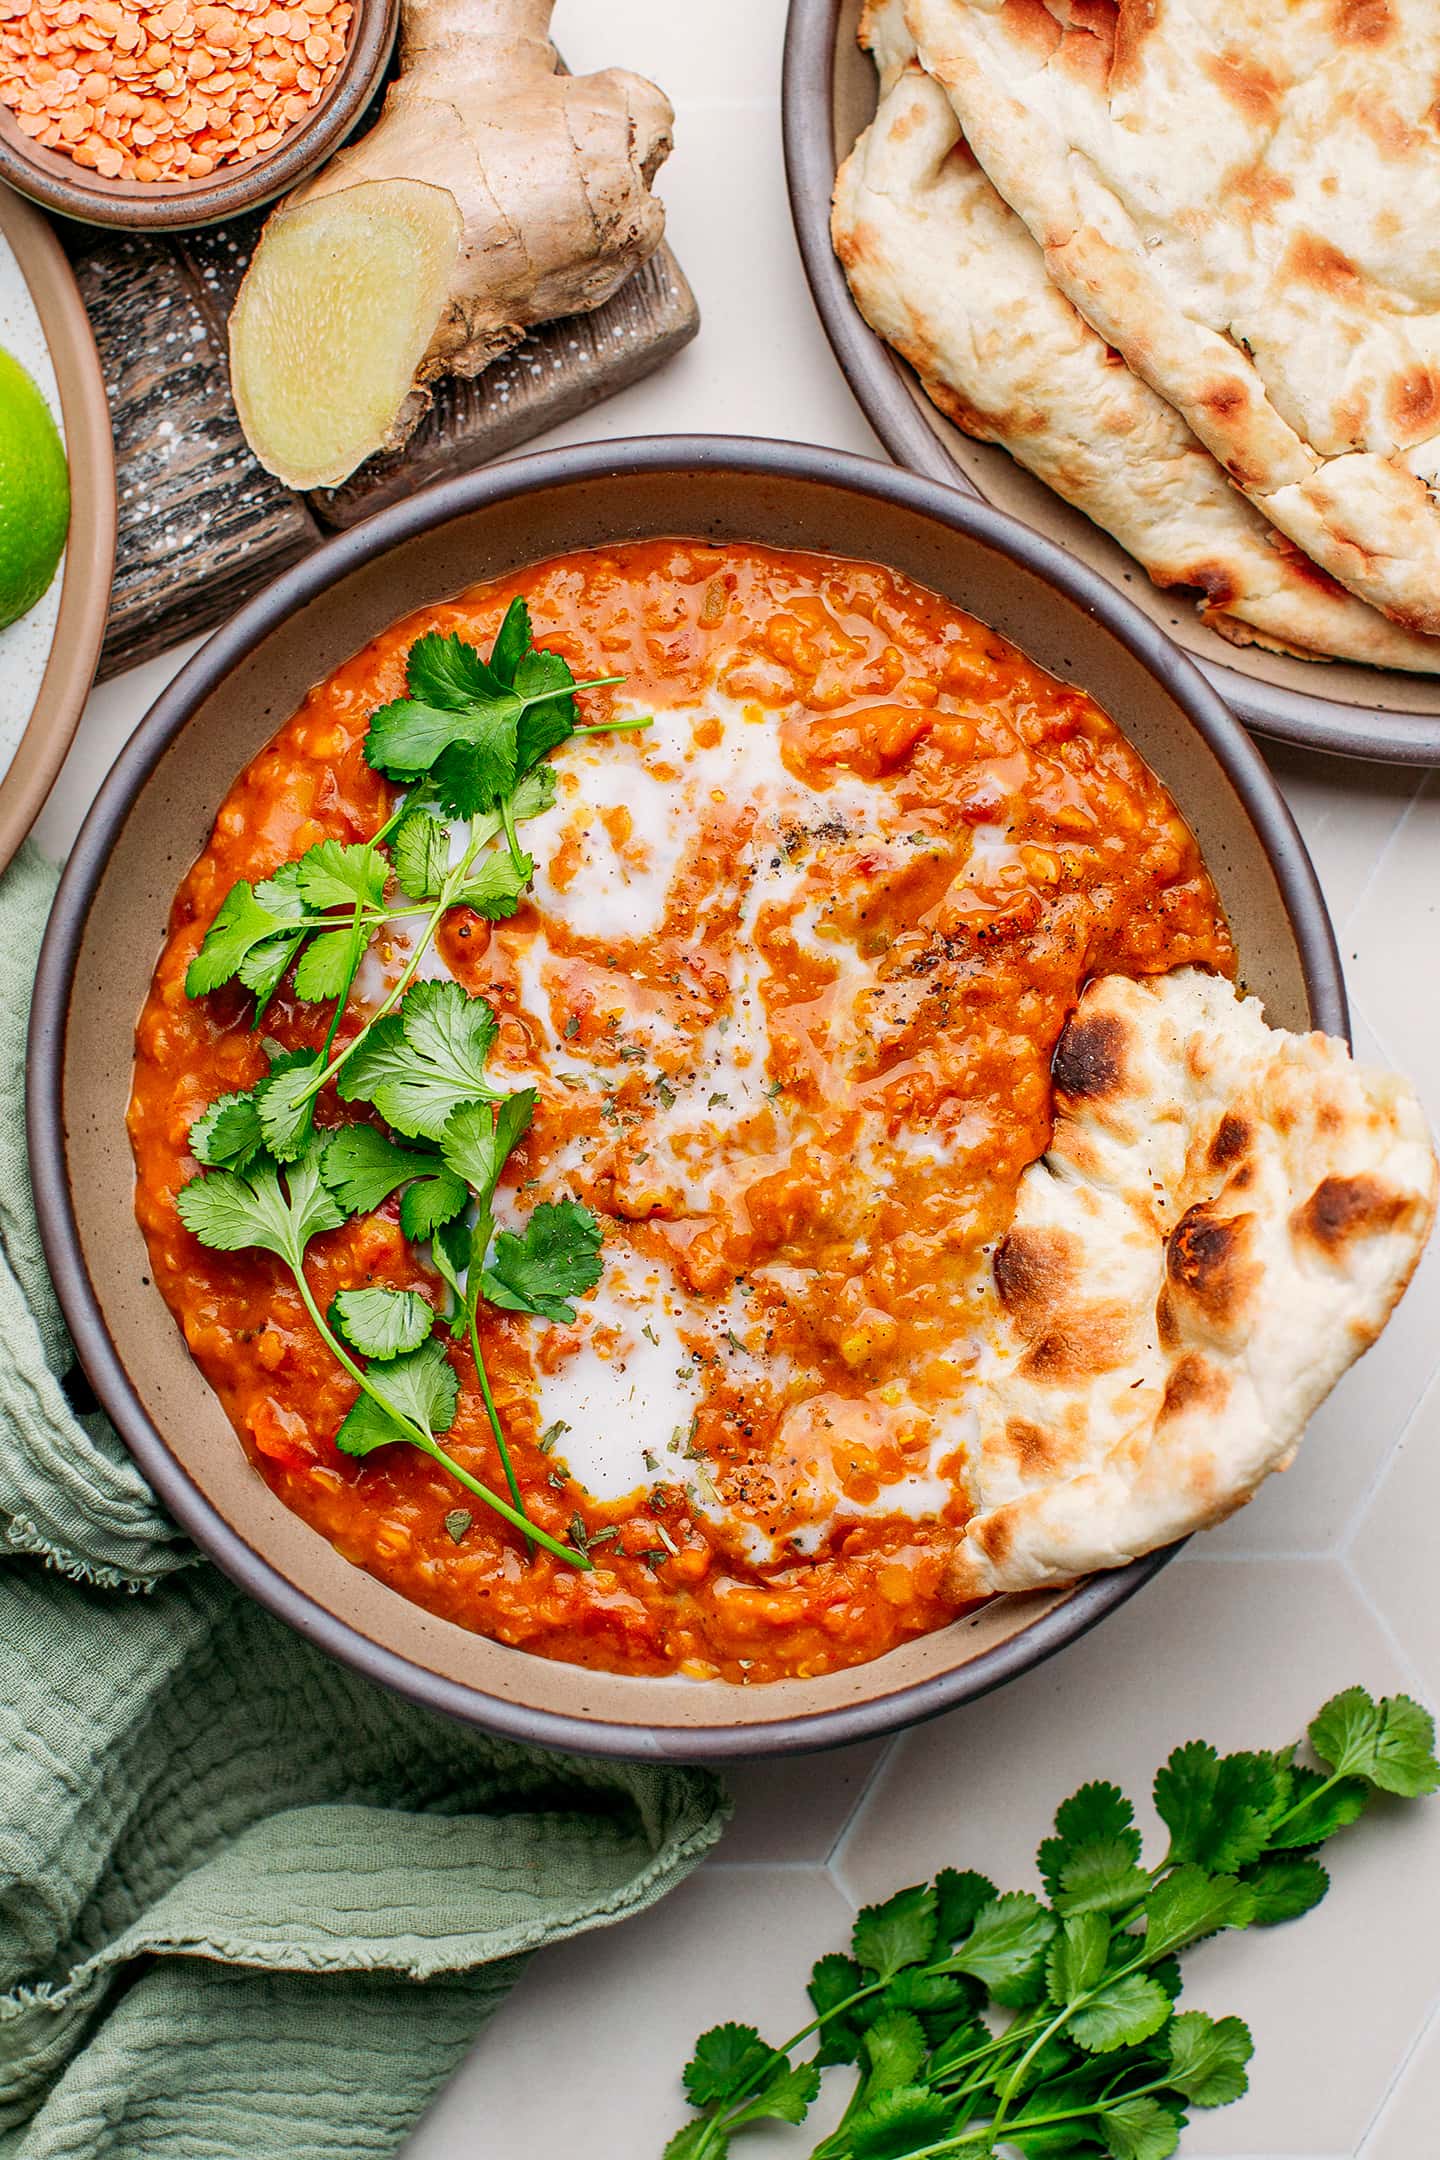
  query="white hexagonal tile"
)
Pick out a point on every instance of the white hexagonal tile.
point(1241, 1653)
point(1409, 2123)
point(1347, 812)
point(1394, 1552)
point(585, 2056)
point(1389, 946)
point(794, 1807)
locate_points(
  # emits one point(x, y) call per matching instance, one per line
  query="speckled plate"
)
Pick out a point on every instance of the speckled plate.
point(829, 98)
point(152, 816)
point(47, 659)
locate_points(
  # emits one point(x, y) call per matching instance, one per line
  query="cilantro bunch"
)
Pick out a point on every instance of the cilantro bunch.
point(978, 2022)
point(468, 742)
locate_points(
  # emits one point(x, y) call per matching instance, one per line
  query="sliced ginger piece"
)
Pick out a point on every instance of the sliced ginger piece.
point(333, 321)
point(549, 177)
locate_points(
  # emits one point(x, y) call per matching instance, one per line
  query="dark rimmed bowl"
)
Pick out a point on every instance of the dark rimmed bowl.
point(57, 183)
point(154, 814)
point(828, 100)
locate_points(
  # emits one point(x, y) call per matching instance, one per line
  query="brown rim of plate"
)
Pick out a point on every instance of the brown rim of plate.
point(57, 183)
point(90, 543)
point(1384, 722)
point(298, 589)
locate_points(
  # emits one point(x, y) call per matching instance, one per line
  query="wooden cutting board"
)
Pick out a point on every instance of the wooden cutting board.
point(201, 525)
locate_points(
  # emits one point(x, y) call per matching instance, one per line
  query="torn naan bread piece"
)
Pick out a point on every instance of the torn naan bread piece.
point(1225, 1219)
point(948, 275)
point(1241, 200)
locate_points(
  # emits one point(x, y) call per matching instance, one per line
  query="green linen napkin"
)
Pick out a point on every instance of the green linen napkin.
point(249, 1903)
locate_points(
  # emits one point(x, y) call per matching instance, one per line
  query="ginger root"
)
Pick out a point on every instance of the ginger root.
point(493, 193)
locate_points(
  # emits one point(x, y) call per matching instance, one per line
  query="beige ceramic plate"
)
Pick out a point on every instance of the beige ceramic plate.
point(153, 816)
point(48, 658)
point(829, 100)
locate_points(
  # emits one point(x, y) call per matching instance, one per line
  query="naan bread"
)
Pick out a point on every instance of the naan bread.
point(1242, 200)
point(949, 276)
point(1225, 1219)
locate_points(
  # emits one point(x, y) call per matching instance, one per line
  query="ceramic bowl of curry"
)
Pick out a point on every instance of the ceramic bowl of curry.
point(787, 618)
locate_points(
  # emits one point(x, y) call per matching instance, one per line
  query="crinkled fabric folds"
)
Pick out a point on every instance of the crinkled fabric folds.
point(249, 1903)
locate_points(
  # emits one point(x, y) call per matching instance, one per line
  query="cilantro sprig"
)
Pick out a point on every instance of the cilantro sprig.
point(1094, 2056)
point(469, 742)
point(408, 1388)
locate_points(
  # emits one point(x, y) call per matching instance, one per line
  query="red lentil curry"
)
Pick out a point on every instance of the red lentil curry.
point(787, 984)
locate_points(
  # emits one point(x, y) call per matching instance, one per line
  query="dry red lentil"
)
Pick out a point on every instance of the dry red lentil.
point(171, 91)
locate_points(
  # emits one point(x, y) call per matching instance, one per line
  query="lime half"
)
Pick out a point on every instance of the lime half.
point(34, 492)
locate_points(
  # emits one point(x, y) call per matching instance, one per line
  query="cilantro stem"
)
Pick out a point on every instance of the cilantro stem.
point(418, 1436)
point(615, 727)
point(484, 1378)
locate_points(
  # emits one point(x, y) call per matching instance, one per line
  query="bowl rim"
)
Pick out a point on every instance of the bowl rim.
point(89, 561)
point(296, 589)
point(73, 191)
point(877, 379)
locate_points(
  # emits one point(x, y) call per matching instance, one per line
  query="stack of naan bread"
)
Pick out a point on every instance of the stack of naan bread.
point(1179, 259)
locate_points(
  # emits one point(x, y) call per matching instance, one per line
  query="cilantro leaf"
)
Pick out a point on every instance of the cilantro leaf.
point(1220, 1810)
point(959, 1896)
point(449, 674)
point(1007, 1943)
point(544, 726)
point(232, 1210)
point(245, 919)
point(1318, 1809)
point(556, 1257)
point(1141, 2128)
point(1390, 1742)
point(512, 641)
point(1102, 1876)
point(324, 972)
point(1077, 1956)
point(696, 2137)
point(1190, 1904)
point(421, 1062)
point(421, 1385)
point(833, 1980)
point(1122, 2013)
point(496, 887)
point(421, 851)
point(430, 1204)
point(898, 1933)
point(725, 2058)
point(895, 2048)
point(1208, 2058)
point(895, 2124)
point(337, 873)
point(784, 2097)
point(478, 1139)
point(1096, 1814)
point(381, 1323)
point(285, 1100)
point(363, 1166)
point(1283, 1889)
point(227, 1135)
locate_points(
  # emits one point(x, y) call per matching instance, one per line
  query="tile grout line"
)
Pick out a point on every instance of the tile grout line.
point(869, 1791)
point(1401, 1655)
point(1428, 2025)
point(1390, 842)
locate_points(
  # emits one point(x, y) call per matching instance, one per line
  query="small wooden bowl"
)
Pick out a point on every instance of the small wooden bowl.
point(58, 183)
point(154, 813)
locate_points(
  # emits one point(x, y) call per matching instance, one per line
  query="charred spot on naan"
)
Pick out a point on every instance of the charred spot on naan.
point(1089, 1062)
point(1232, 1140)
point(1342, 1210)
point(1317, 261)
point(1091, 1340)
point(1195, 1384)
point(1036, 1271)
point(1412, 405)
point(1210, 1268)
point(1362, 22)
point(1250, 87)
point(1031, 23)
